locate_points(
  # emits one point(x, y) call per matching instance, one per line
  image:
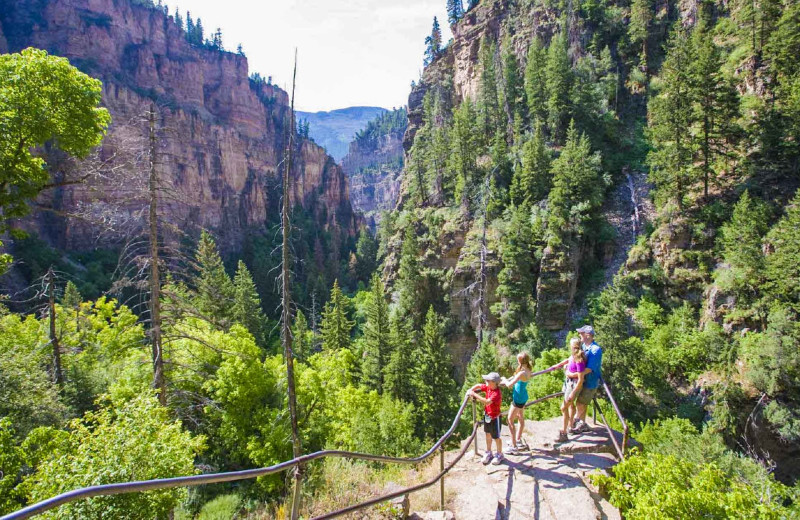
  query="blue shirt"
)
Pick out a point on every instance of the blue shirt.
point(594, 358)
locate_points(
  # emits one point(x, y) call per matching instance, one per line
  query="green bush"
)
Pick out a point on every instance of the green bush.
point(223, 507)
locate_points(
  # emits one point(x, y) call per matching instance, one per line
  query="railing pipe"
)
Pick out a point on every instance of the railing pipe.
point(441, 480)
point(475, 421)
point(625, 431)
point(611, 435)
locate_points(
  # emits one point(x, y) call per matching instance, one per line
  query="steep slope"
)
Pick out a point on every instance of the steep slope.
point(223, 134)
point(335, 129)
point(374, 165)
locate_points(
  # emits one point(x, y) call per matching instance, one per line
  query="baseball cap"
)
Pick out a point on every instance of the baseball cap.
point(493, 376)
point(586, 329)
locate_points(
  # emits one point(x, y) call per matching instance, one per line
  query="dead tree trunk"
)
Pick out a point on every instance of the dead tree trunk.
point(286, 331)
point(159, 381)
point(482, 312)
point(58, 373)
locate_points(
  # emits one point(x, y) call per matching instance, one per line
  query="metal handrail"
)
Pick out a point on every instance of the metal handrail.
point(625, 430)
point(213, 478)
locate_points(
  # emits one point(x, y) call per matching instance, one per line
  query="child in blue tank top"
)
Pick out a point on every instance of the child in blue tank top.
point(519, 397)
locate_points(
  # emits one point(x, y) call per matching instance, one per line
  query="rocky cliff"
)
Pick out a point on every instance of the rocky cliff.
point(221, 135)
point(374, 170)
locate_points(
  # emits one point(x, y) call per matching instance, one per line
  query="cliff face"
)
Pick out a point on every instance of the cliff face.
point(222, 136)
point(374, 171)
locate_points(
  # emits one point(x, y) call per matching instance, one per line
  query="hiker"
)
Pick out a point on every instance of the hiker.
point(491, 419)
point(575, 364)
point(519, 397)
point(591, 377)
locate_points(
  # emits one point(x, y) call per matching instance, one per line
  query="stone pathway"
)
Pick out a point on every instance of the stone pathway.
point(549, 482)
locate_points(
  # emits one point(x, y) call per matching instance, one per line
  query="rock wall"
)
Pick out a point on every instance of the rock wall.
point(375, 174)
point(222, 136)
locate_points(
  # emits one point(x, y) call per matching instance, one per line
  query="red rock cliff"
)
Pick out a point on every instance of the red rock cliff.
point(223, 135)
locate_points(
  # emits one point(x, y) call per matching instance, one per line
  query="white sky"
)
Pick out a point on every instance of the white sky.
point(350, 52)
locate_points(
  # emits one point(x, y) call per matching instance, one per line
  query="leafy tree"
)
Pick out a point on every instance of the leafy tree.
point(670, 115)
point(377, 341)
point(515, 280)
point(455, 10)
point(410, 281)
point(247, 304)
point(101, 450)
point(558, 73)
point(366, 255)
point(531, 182)
point(215, 290)
point(42, 99)
point(639, 27)
point(336, 327)
point(433, 43)
point(436, 388)
point(536, 83)
point(399, 374)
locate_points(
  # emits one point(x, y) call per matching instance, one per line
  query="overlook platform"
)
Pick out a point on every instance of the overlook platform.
point(549, 482)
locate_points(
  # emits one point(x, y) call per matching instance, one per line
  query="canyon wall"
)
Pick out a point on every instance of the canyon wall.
point(221, 135)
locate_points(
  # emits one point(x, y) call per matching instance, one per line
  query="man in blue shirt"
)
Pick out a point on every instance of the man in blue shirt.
point(591, 376)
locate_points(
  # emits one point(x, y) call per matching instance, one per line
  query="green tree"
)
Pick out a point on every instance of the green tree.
point(336, 327)
point(72, 296)
point(501, 173)
point(435, 385)
point(455, 10)
point(399, 374)
point(215, 290)
point(433, 43)
point(558, 73)
point(488, 96)
point(43, 99)
point(639, 27)
point(464, 154)
point(302, 336)
point(377, 341)
point(577, 185)
point(410, 281)
point(513, 92)
point(101, 449)
point(670, 116)
point(366, 255)
point(515, 280)
point(531, 181)
point(536, 83)
point(484, 360)
point(783, 269)
point(247, 309)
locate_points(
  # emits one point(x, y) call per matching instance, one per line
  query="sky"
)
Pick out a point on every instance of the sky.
point(350, 52)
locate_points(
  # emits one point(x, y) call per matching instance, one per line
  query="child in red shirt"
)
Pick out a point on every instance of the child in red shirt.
point(491, 419)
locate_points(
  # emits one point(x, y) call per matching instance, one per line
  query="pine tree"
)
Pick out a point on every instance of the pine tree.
point(72, 298)
point(366, 255)
point(532, 176)
point(455, 10)
point(483, 361)
point(409, 280)
point(433, 43)
point(783, 268)
point(513, 93)
point(215, 290)
point(501, 174)
point(302, 337)
point(717, 103)
point(247, 304)
point(189, 28)
point(336, 327)
point(178, 19)
point(434, 382)
point(377, 346)
point(577, 185)
point(399, 374)
point(488, 97)
point(670, 116)
point(515, 280)
point(198, 39)
point(559, 83)
point(464, 153)
point(639, 27)
point(536, 83)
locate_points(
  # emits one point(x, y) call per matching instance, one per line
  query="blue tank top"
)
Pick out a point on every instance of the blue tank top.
point(520, 393)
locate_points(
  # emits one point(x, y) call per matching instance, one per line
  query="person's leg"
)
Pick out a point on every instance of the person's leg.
point(565, 414)
point(581, 412)
point(489, 442)
point(521, 417)
point(512, 412)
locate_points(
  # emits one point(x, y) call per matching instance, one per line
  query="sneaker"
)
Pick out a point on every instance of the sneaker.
point(524, 444)
point(497, 459)
point(512, 450)
point(579, 427)
point(487, 458)
point(562, 437)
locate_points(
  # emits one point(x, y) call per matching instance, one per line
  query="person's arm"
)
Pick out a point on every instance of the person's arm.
point(472, 392)
point(578, 387)
point(509, 383)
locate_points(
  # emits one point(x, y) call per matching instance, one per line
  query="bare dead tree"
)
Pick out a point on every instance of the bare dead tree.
point(286, 314)
point(58, 373)
point(159, 382)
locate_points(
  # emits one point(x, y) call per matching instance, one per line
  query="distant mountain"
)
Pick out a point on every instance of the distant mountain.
point(336, 129)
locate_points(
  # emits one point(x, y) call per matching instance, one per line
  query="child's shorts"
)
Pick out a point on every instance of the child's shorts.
point(493, 426)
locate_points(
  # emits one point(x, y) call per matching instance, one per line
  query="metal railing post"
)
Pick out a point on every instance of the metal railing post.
point(441, 481)
point(594, 411)
point(474, 421)
point(296, 494)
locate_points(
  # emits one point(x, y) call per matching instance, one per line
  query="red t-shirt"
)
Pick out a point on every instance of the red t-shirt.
point(495, 398)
